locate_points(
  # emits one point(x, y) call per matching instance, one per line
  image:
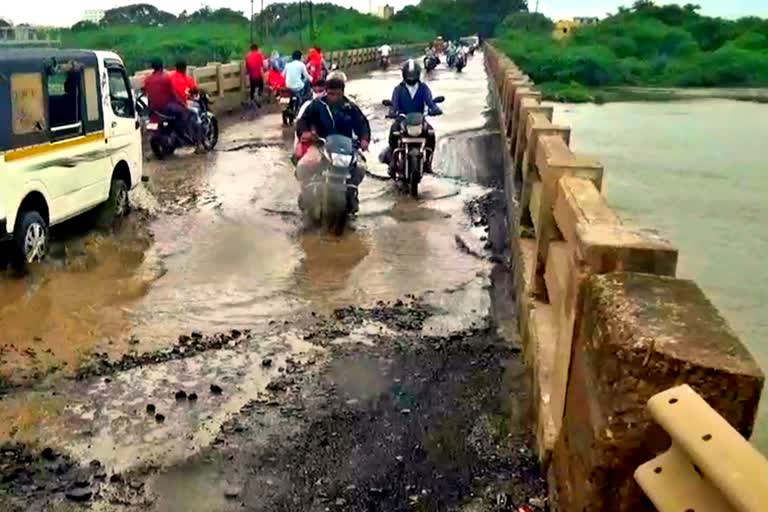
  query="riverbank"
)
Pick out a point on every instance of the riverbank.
point(576, 93)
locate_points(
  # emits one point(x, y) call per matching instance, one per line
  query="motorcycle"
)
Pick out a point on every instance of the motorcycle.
point(327, 198)
point(412, 153)
point(165, 136)
point(291, 103)
point(430, 63)
point(384, 62)
point(460, 62)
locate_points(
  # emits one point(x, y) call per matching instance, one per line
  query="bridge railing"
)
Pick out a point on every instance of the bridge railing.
point(605, 324)
point(228, 83)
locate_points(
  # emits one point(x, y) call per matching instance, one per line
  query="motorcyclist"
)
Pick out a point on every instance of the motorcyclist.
point(186, 89)
point(316, 64)
point(385, 51)
point(297, 78)
point(335, 114)
point(163, 99)
point(318, 91)
point(409, 97)
point(275, 78)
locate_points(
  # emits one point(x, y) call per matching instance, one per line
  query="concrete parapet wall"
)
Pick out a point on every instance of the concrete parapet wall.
point(604, 322)
point(227, 84)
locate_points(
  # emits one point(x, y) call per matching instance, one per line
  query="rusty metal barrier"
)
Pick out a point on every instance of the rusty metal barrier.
point(710, 467)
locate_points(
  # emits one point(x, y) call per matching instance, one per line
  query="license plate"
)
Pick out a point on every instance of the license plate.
point(152, 126)
point(285, 101)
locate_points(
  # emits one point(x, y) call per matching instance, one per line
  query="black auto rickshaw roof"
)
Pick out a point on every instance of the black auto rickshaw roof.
point(33, 59)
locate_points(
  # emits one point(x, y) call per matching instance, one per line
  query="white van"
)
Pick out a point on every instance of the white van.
point(70, 141)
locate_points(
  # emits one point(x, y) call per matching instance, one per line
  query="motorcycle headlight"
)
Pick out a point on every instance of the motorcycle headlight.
point(340, 160)
point(414, 130)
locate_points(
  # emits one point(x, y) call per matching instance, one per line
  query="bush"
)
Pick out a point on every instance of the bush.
point(645, 45)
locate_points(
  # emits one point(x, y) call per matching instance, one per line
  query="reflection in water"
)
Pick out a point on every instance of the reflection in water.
point(695, 171)
point(327, 265)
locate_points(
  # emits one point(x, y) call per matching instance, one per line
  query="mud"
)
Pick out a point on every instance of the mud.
point(373, 371)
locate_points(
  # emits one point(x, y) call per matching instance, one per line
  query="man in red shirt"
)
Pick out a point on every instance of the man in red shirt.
point(254, 64)
point(163, 98)
point(183, 84)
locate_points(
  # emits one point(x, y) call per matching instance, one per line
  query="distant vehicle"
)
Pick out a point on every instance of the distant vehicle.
point(472, 42)
point(70, 141)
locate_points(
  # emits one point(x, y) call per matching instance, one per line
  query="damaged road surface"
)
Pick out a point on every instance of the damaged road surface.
point(213, 355)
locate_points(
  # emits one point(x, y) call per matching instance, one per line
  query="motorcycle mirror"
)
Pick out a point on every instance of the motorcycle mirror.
point(387, 103)
point(439, 99)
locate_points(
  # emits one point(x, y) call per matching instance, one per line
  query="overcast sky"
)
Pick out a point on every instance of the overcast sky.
point(65, 13)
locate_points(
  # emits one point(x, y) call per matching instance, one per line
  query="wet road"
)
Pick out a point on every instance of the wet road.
point(214, 282)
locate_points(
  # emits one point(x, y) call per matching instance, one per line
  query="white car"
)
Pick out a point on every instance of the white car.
point(70, 141)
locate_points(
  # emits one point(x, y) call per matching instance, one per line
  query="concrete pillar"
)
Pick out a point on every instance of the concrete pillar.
point(641, 334)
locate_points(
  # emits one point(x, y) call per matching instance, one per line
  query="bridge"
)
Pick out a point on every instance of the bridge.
point(503, 341)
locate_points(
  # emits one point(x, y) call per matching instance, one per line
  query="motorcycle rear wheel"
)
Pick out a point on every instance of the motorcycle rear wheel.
point(211, 129)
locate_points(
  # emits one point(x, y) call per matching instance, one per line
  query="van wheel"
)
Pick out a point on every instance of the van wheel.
point(30, 238)
point(117, 206)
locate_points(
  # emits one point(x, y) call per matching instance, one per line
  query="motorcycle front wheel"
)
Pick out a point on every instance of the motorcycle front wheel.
point(414, 176)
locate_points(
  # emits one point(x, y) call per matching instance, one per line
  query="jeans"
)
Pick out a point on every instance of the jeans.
point(185, 122)
point(257, 84)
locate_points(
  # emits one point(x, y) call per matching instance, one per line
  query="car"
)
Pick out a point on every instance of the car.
point(70, 142)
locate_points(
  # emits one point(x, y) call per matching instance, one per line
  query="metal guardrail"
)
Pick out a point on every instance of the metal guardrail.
point(710, 467)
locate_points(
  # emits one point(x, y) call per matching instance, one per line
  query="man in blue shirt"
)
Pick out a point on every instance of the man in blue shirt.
point(411, 96)
point(296, 74)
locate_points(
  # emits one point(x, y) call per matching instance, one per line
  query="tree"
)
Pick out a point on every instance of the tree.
point(137, 14)
point(206, 14)
point(527, 22)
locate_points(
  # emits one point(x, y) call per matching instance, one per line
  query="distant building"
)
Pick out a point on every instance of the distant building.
point(564, 28)
point(94, 15)
point(386, 11)
point(21, 37)
point(589, 20)
point(5, 22)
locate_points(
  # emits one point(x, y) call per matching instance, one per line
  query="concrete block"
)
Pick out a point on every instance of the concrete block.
point(520, 94)
point(538, 125)
point(558, 273)
point(607, 248)
point(640, 335)
point(528, 107)
point(579, 203)
point(540, 355)
point(535, 205)
point(554, 160)
point(523, 261)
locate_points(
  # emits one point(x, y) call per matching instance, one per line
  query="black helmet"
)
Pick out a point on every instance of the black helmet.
point(411, 72)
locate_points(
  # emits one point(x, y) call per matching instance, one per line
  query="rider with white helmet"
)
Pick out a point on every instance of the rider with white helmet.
point(411, 96)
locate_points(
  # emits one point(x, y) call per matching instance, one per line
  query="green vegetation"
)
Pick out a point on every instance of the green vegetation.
point(646, 45)
point(141, 32)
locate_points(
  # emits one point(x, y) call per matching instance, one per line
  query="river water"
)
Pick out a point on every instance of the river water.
point(695, 171)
